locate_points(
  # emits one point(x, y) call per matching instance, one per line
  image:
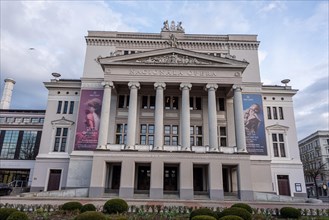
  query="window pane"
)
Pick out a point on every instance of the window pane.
point(35, 120)
point(125, 128)
point(151, 139)
point(198, 103)
point(175, 141)
point(167, 129)
point(65, 132)
point(191, 130)
point(222, 131)
point(167, 140)
point(274, 138)
point(223, 142)
point(71, 107)
point(128, 98)
point(221, 102)
point(144, 102)
point(282, 150)
point(143, 129)
point(191, 103)
point(269, 114)
point(174, 129)
point(58, 131)
point(56, 145)
point(63, 144)
point(275, 149)
point(121, 101)
point(152, 102)
point(119, 128)
point(59, 107)
point(167, 102)
point(151, 129)
point(143, 139)
point(191, 140)
point(275, 113)
point(198, 130)
point(66, 103)
point(281, 137)
point(118, 139)
point(281, 113)
point(175, 102)
point(199, 141)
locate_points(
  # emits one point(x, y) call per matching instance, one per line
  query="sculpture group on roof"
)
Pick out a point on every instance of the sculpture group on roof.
point(173, 26)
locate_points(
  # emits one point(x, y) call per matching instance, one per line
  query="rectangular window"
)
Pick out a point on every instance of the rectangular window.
point(120, 136)
point(144, 102)
point(152, 102)
point(222, 136)
point(148, 102)
point(59, 107)
point(281, 113)
point(9, 144)
point(35, 120)
point(269, 114)
point(66, 103)
point(60, 139)
point(221, 104)
point(71, 107)
point(195, 103)
point(123, 101)
point(26, 120)
point(171, 135)
point(146, 134)
point(278, 145)
point(28, 145)
point(171, 102)
point(275, 113)
point(196, 136)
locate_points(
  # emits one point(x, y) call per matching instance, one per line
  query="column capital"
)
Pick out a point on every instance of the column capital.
point(134, 84)
point(187, 85)
point(159, 84)
point(210, 86)
point(237, 87)
point(107, 84)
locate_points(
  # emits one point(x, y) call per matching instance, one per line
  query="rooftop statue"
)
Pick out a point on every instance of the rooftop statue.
point(173, 26)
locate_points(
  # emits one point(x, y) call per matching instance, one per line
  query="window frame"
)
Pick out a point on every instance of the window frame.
point(195, 136)
point(172, 136)
point(148, 135)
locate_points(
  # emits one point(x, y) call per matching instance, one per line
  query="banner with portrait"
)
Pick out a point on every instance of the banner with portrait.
point(88, 120)
point(253, 115)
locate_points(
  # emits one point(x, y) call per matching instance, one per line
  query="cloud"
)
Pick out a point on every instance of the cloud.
point(272, 6)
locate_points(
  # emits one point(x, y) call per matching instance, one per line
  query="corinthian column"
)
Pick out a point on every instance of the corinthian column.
point(132, 115)
point(105, 114)
point(212, 117)
point(158, 120)
point(185, 87)
point(238, 120)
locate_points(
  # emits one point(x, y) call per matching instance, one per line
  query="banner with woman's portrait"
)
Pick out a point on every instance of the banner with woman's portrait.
point(88, 119)
point(253, 115)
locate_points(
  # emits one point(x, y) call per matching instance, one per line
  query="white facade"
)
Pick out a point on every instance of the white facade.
point(164, 115)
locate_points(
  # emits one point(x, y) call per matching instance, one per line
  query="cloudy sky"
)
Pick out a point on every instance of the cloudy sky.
point(293, 35)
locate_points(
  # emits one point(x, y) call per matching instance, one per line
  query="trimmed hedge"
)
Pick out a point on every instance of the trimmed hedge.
point(244, 206)
point(289, 212)
point(91, 215)
point(231, 217)
point(114, 206)
point(87, 207)
point(203, 217)
point(202, 211)
point(259, 217)
point(18, 216)
point(6, 212)
point(235, 211)
point(71, 206)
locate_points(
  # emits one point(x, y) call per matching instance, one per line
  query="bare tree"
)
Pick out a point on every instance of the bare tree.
point(314, 168)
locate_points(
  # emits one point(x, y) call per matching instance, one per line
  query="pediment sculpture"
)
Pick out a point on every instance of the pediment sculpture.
point(173, 26)
point(173, 59)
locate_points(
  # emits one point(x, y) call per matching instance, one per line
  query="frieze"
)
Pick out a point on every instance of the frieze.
point(173, 72)
point(173, 59)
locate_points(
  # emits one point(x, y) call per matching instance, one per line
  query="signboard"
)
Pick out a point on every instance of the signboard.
point(88, 120)
point(254, 124)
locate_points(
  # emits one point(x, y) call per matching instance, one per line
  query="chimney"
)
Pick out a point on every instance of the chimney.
point(7, 93)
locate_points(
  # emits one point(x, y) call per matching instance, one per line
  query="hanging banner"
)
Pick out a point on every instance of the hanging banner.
point(253, 115)
point(88, 119)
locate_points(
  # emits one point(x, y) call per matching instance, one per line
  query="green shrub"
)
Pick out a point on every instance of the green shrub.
point(202, 211)
point(91, 215)
point(289, 212)
point(87, 207)
point(5, 213)
point(244, 206)
point(203, 217)
point(231, 217)
point(235, 211)
point(115, 206)
point(17, 215)
point(259, 217)
point(71, 206)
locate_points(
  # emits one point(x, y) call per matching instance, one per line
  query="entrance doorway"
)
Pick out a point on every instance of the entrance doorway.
point(170, 178)
point(230, 180)
point(283, 185)
point(200, 179)
point(54, 180)
point(112, 184)
point(143, 177)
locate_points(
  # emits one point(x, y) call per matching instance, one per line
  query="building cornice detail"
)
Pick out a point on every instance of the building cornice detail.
point(173, 59)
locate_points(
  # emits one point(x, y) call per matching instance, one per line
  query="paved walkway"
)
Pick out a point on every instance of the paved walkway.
point(163, 202)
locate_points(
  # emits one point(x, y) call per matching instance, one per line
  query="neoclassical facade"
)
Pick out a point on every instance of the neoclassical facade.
point(170, 115)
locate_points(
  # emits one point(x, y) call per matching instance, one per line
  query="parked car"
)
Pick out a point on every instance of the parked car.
point(5, 189)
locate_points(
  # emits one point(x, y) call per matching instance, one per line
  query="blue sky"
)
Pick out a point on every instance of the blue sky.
point(293, 36)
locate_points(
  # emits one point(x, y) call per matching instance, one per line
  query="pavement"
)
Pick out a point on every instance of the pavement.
point(162, 202)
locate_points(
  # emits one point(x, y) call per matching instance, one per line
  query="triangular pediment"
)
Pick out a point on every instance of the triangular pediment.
point(172, 57)
point(63, 121)
point(277, 127)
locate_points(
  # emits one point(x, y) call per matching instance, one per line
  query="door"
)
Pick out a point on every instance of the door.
point(54, 180)
point(116, 175)
point(144, 177)
point(283, 185)
point(170, 178)
point(198, 179)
